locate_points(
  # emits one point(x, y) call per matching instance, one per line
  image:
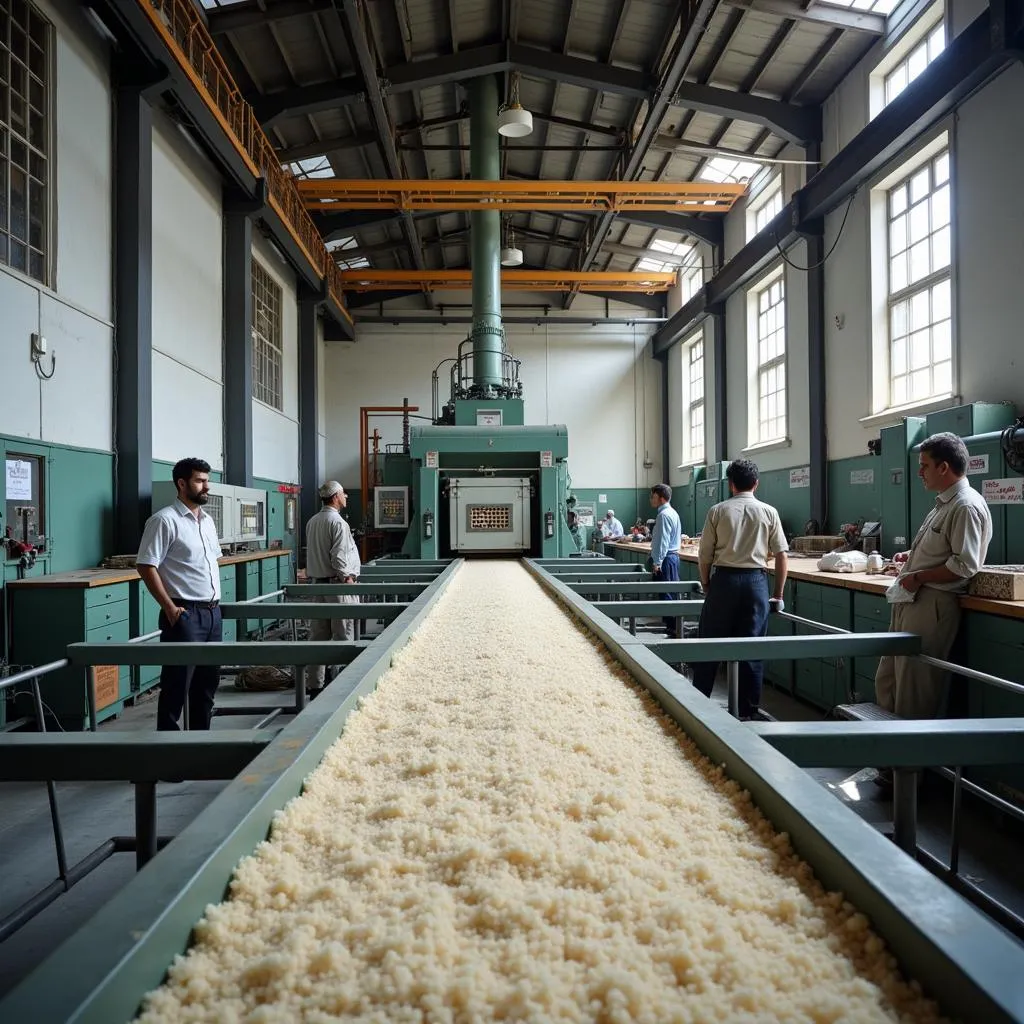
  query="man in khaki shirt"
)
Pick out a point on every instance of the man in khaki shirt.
point(739, 536)
point(948, 550)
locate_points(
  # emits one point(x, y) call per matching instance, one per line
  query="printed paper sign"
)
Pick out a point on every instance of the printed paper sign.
point(800, 477)
point(19, 480)
point(1003, 492)
point(546, 460)
point(430, 460)
point(585, 515)
point(977, 464)
point(862, 476)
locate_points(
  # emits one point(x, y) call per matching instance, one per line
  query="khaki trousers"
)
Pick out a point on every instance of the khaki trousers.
point(905, 686)
point(329, 629)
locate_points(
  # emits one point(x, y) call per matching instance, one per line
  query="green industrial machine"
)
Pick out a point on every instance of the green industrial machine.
point(481, 481)
point(898, 479)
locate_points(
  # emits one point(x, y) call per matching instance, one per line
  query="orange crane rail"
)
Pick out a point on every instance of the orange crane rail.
point(511, 280)
point(551, 196)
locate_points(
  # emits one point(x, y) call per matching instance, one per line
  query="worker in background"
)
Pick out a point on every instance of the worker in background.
point(739, 535)
point(949, 548)
point(665, 537)
point(177, 561)
point(611, 528)
point(331, 557)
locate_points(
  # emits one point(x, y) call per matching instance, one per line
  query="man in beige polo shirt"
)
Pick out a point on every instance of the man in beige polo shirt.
point(739, 536)
point(948, 550)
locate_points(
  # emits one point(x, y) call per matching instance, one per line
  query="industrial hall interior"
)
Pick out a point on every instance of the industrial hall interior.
point(513, 510)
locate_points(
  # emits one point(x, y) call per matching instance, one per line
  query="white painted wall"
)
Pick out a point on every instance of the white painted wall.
point(76, 406)
point(188, 309)
point(275, 432)
point(600, 381)
point(988, 251)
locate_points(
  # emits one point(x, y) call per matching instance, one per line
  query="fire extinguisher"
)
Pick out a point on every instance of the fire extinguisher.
point(428, 525)
point(549, 524)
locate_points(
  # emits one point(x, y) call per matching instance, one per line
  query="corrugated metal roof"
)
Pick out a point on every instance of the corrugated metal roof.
point(771, 54)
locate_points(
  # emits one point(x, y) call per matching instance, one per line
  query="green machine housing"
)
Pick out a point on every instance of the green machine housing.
point(446, 460)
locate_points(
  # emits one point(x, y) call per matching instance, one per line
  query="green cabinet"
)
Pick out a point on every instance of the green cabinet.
point(823, 682)
point(871, 614)
point(780, 673)
point(247, 584)
point(48, 616)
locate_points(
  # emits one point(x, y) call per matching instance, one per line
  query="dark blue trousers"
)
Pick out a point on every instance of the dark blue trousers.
point(736, 605)
point(198, 624)
point(670, 573)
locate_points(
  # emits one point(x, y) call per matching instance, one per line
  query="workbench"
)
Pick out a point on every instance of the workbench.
point(991, 640)
point(82, 605)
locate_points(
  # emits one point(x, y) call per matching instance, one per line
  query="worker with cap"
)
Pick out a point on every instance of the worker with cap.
point(739, 535)
point(611, 528)
point(331, 557)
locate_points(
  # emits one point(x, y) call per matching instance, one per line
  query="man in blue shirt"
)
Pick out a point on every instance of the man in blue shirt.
point(665, 538)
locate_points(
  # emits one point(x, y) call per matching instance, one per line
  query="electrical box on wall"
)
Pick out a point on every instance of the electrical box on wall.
point(390, 508)
point(24, 509)
point(239, 513)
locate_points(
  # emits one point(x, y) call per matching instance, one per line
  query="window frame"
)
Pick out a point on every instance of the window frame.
point(757, 369)
point(908, 40)
point(769, 194)
point(689, 404)
point(44, 153)
point(263, 392)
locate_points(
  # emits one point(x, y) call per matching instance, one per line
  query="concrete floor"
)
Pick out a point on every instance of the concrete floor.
point(94, 812)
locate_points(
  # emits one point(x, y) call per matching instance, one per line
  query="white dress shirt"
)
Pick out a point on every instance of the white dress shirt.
point(184, 550)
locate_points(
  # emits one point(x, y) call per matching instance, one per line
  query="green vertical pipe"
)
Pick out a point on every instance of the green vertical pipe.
point(485, 165)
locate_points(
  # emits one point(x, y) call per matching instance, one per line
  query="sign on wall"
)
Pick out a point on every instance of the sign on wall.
point(800, 477)
point(1003, 492)
point(19, 480)
point(585, 515)
point(862, 476)
point(977, 464)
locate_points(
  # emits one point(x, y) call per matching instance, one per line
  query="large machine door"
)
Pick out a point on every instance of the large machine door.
point(490, 514)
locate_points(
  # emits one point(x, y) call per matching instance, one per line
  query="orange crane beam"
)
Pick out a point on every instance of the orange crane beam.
point(511, 280)
point(549, 196)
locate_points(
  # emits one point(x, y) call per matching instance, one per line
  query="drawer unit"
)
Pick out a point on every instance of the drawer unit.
point(780, 673)
point(823, 682)
point(228, 590)
point(270, 575)
point(247, 584)
point(46, 617)
point(870, 615)
point(286, 570)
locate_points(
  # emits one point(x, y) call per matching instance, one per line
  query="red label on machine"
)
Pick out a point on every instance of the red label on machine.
point(546, 460)
point(430, 460)
point(1003, 492)
point(977, 464)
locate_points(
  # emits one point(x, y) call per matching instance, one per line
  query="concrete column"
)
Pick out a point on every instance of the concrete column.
point(133, 315)
point(485, 165)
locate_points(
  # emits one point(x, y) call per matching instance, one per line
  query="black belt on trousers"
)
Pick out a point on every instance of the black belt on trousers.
point(182, 603)
point(734, 568)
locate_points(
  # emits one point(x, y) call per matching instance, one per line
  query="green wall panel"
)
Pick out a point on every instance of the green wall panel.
point(793, 503)
point(854, 491)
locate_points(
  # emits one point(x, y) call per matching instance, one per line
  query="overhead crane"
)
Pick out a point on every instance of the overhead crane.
point(413, 194)
point(369, 280)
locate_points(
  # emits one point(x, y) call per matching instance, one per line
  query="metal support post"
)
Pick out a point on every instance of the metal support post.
point(732, 669)
point(90, 697)
point(815, 244)
point(145, 823)
point(309, 415)
point(721, 441)
point(904, 809)
point(485, 164)
point(51, 793)
point(238, 344)
point(133, 250)
point(954, 833)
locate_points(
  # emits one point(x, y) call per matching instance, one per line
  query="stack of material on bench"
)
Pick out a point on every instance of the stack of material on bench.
point(999, 582)
point(510, 830)
point(817, 544)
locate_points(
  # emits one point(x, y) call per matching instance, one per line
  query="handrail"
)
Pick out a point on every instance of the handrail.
point(189, 41)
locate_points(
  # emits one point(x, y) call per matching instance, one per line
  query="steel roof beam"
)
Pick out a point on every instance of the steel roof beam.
point(710, 231)
point(830, 16)
point(972, 59)
point(321, 147)
point(701, 12)
point(308, 99)
point(256, 12)
point(498, 58)
point(366, 64)
point(793, 123)
point(335, 225)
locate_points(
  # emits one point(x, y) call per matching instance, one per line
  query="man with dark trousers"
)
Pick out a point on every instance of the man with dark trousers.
point(739, 535)
point(177, 561)
point(665, 538)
